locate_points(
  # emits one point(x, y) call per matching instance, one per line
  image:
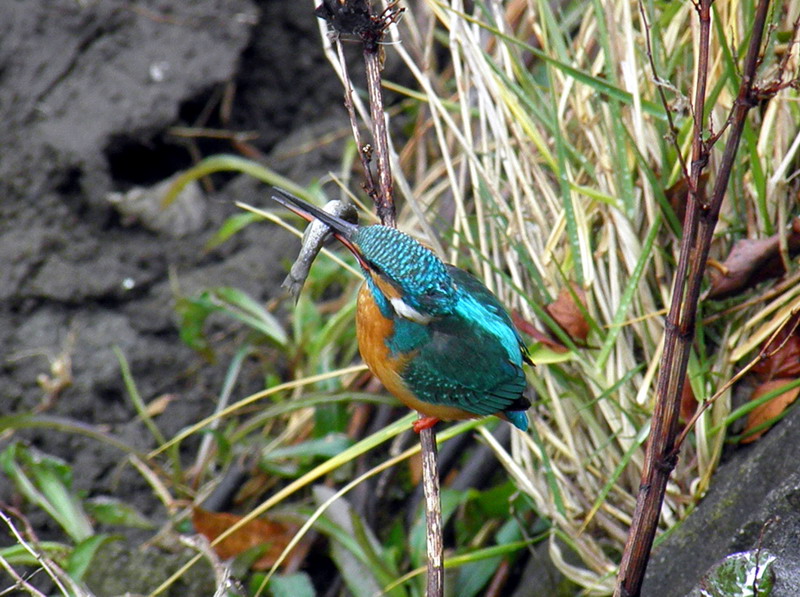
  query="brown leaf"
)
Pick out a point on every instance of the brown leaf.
point(678, 195)
point(526, 327)
point(688, 401)
point(160, 404)
point(568, 314)
point(275, 535)
point(752, 261)
point(770, 409)
point(745, 258)
point(782, 354)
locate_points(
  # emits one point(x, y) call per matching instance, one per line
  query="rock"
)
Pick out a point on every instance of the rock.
point(121, 568)
point(757, 485)
point(90, 95)
point(186, 214)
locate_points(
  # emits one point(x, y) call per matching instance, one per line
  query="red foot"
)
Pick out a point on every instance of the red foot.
point(424, 423)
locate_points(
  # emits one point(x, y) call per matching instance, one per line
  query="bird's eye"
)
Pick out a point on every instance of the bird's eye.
point(437, 291)
point(433, 294)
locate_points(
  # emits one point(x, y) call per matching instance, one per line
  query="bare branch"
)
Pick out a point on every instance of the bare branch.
point(698, 229)
point(660, 84)
point(433, 513)
point(355, 17)
point(369, 183)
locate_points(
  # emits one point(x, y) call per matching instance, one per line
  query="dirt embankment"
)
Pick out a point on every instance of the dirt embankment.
point(91, 94)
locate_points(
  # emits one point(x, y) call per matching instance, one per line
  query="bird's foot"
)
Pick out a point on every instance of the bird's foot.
point(424, 423)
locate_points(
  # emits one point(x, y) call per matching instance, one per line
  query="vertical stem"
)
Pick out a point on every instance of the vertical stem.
point(386, 212)
point(386, 209)
point(701, 219)
point(371, 35)
point(433, 513)
point(369, 184)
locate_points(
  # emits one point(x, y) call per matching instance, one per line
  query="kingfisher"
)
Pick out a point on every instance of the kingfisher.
point(436, 337)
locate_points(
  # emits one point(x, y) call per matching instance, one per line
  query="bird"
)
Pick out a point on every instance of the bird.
point(436, 337)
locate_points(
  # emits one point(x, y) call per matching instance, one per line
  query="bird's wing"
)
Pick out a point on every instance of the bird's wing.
point(486, 297)
point(468, 359)
point(459, 366)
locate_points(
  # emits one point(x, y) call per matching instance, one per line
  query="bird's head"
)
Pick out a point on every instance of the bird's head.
point(411, 278)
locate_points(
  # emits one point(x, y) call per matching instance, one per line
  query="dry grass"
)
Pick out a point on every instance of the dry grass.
point(540, 157)
point(543, 145)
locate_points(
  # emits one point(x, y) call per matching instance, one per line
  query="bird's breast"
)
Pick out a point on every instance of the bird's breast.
point(375, 333)
point(373, 329)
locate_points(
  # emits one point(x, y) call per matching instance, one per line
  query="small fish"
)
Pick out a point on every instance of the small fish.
point(313, 238)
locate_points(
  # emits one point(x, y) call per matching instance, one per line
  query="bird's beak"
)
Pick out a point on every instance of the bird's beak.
point(344, 231)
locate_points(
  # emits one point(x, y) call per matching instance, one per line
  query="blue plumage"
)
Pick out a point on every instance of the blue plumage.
point(421, 277)
point(466, 351)
point(470, 358)
point(433, 333)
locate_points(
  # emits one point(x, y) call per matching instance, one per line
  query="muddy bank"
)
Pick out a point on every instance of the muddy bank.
point(91, 96)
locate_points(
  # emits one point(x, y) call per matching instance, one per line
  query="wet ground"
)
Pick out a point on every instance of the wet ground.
point(95, 98)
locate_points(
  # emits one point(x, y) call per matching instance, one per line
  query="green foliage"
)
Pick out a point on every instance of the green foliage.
point(46, 482)
point(194, 311)
point(80, 558)
point(288, 585)
point(113, 511)
point(293, 461)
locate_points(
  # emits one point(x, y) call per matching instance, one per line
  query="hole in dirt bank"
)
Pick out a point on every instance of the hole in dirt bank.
point(143, 159)
point(137, 162)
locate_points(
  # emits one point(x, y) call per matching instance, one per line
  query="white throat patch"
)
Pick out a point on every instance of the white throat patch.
point(408, 312)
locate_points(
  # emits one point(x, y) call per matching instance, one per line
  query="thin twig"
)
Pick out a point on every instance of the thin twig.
point(673, 130)
point(369, 184)
point(760, 545)
point(385, 205)
point(777, 290)
point(778, 84)
point(701, 219)
point(19, 582)
point(47, 565)
point(433, 513)
point(762, 355)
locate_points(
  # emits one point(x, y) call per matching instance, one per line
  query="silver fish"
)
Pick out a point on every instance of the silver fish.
point(313, 238)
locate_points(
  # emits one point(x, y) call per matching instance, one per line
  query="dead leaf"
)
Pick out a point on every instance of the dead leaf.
point(678, 195)
point(527, 328)
point(782, 355)
point(688, 401)
point(160, 404)
point(752, 261)
point(568, 314)
point(734, 274)
point(275, 535)
point(770, 409)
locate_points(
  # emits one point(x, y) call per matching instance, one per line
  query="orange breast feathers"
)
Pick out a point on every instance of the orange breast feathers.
point(372, 330)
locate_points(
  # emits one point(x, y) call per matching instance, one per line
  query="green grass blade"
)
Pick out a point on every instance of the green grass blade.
point(627, 296)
